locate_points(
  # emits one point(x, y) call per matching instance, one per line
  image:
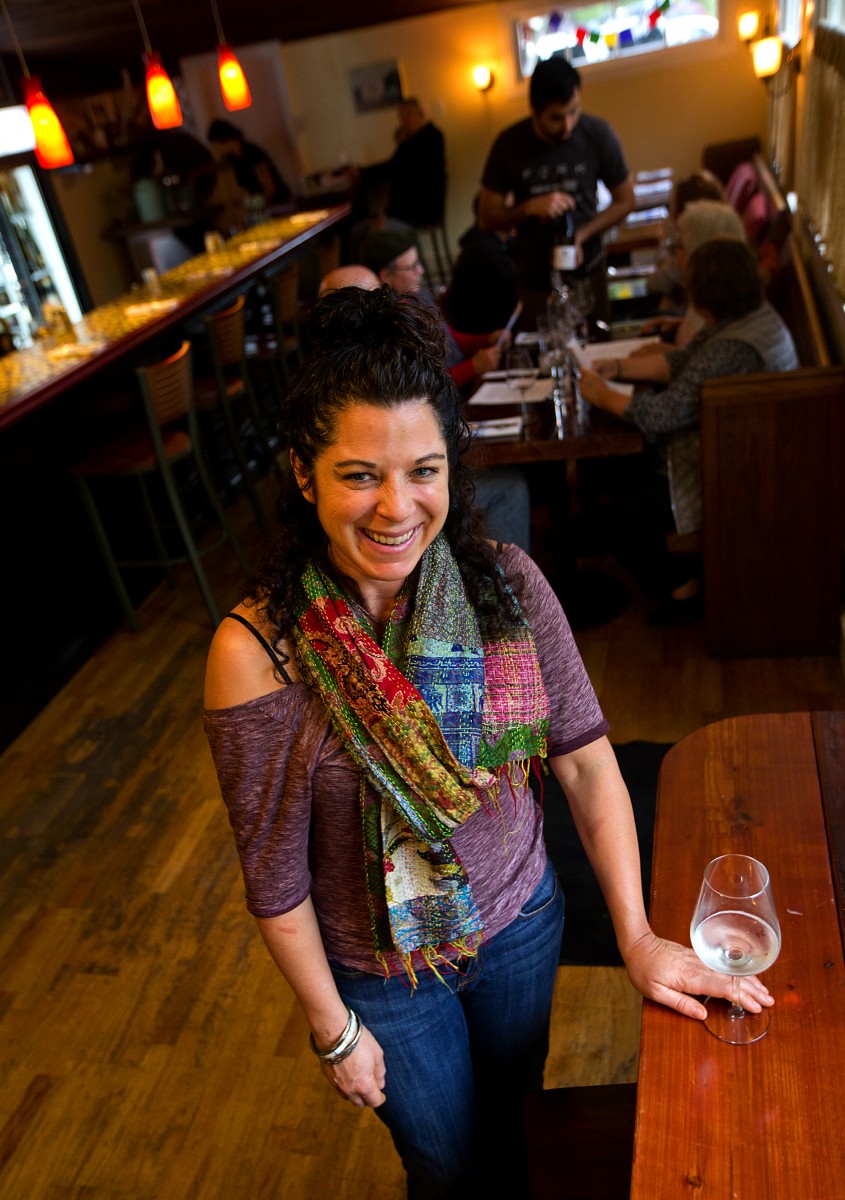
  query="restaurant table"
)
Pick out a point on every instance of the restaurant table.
point(108, 334)
point(761, 1121)
point(590, 597)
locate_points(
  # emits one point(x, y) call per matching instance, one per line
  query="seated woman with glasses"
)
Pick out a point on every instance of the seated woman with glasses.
point(741, 334)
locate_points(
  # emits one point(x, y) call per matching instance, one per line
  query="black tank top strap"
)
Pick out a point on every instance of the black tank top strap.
point(271, 653)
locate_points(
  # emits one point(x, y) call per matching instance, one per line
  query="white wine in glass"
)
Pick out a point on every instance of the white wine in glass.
point(735, 930)
point(521, 371)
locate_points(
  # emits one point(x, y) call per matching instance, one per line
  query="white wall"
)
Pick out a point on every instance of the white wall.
point(665, 107)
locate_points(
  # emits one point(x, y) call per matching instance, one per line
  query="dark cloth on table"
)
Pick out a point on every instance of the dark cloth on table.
point(522, 163)
point(417, 177)
point(483, 292)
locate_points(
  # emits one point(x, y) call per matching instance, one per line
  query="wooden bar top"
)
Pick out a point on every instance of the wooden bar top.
point(765, 1121)
point(33, 377)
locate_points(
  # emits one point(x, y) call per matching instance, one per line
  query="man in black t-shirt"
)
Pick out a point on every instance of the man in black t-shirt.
point(551, 163)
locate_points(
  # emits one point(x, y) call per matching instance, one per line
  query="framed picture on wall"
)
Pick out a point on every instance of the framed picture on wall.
point(376, 86)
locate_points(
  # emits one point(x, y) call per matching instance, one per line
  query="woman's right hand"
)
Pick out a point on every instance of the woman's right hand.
point(360, 1077)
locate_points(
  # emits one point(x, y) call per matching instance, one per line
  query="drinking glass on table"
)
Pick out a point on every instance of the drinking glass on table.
point(735, 930)
point(520, 373)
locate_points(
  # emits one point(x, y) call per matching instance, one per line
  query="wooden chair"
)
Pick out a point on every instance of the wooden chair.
point(280, 346)
point(171, 438)
point(580, 1142)
point(328, 256)
point(434, 252)
point(229, 388)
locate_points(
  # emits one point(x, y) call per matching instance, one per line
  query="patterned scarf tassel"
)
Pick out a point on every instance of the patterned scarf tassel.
point(434, 959)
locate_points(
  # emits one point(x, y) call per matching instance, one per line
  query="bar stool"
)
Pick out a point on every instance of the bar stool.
point(328, 255)
point(171, 437)
point(230, 384)
point(438, 250)
point(280, 347)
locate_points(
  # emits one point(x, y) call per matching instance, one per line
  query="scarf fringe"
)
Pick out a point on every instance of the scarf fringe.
point(434, 959)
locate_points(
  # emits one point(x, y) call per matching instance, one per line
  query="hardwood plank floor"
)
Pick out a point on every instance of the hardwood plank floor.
point(148, 1048)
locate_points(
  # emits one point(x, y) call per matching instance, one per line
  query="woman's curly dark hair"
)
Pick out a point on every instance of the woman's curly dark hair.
point(374, 347)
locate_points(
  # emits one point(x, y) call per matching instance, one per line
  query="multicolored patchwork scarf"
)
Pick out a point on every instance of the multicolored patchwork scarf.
point(432, 717)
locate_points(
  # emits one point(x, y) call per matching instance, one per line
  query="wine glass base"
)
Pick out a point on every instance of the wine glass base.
point(738, 1030)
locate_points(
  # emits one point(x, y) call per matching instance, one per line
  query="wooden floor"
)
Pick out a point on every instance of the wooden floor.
point(149, 1050)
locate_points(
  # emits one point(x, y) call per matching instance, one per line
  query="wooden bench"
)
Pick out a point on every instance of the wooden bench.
point(773, 492)
point(580, 1142)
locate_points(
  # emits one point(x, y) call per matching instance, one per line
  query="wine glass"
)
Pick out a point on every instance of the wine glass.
point(520, 372)
point(735, 930)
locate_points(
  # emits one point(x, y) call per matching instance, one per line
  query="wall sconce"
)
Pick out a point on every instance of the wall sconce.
point(52, 149)
point(483, 78)
point(748, 25)
point(766, 55)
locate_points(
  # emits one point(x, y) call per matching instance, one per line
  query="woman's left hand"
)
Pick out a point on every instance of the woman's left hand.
point(674, 975)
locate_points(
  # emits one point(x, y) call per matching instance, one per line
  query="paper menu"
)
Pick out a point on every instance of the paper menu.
point(588, 356)
point(500, 393)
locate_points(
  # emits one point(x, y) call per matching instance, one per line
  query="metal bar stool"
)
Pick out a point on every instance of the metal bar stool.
point(280, 347)
point(231, 384)
point(171, 437)
point(438, 247)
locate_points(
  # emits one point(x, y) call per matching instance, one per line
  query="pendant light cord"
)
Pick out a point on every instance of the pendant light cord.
point(15, 41)
point(221, 39)
point(140, 17)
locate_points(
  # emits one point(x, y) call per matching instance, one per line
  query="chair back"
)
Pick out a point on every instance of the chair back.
point(285, 286)
point(226, 334)
point(328, 255)
point(168, 386)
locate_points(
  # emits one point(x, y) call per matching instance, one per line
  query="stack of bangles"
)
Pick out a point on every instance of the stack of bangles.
point(344, 1045)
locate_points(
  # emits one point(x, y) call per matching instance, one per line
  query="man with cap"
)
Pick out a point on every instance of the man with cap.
point(551, 163)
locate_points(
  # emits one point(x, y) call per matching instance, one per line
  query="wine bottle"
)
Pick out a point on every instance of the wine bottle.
point(565, 251)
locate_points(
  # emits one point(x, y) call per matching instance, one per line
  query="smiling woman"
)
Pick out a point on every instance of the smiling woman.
point(374, 711)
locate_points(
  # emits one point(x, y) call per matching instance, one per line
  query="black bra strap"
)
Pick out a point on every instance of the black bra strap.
point(273, 656)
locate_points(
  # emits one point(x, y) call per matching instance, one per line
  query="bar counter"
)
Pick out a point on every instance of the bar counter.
point(33, 377)
point(56, 603)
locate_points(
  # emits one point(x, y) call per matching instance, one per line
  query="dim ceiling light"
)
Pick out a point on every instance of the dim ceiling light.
point(483, 78)
point(748, 24)
point(52, 149)
point(766, 55)
point(233, 84)
point(162, 100)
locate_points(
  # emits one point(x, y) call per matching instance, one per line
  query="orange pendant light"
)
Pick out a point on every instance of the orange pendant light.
point(52, 149)
point(233, 84)
point(162, 100)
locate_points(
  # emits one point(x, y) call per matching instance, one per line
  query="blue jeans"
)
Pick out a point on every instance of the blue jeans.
point(461, 1054)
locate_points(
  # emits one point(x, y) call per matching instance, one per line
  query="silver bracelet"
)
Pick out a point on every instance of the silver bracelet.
point(344, 1045)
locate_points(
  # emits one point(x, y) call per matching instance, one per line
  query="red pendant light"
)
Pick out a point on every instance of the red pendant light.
point(233, 84)
point(162, 100)
point(52, 149)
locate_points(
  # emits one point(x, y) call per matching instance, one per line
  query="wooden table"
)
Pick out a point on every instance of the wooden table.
point(589, 597)
point(759, 1122)
point(32, 378)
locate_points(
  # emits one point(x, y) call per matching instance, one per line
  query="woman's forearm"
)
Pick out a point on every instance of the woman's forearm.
point(601, 809)
point(296, 947)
